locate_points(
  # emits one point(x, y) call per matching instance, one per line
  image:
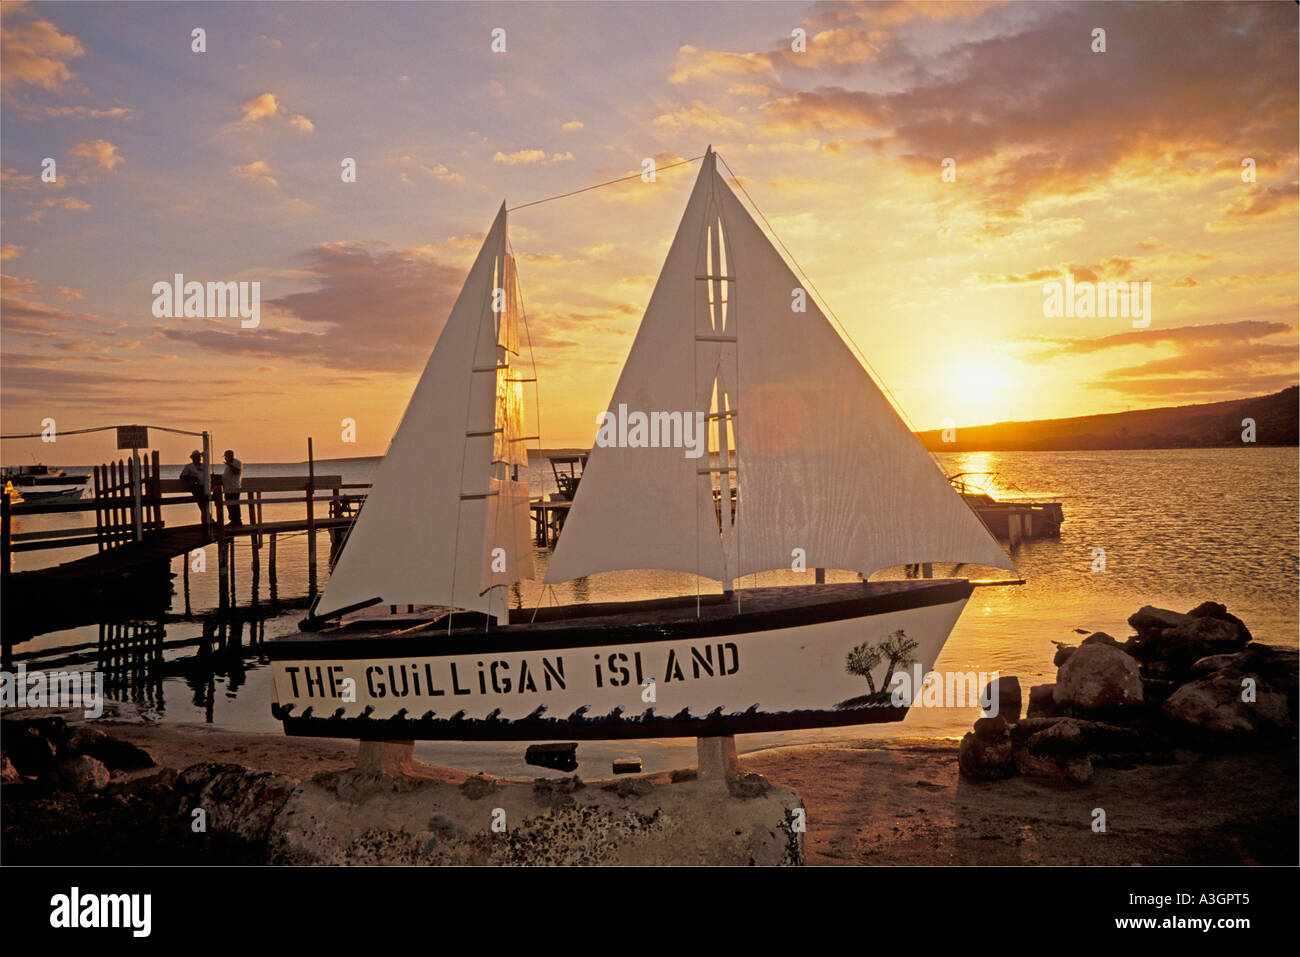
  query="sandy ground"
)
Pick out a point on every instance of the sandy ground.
point(903, 803)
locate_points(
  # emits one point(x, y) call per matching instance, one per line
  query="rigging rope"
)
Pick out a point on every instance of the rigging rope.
point(621, 179)
point(102, 428)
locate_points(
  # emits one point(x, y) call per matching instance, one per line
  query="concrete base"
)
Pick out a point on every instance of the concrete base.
point(353, 818)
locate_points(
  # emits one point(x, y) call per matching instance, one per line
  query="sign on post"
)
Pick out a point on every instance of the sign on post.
point(135, 437)
point(132, 436)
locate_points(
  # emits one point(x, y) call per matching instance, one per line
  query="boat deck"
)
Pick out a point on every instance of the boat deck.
point(752, 609)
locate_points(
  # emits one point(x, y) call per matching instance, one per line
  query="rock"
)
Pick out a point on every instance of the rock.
point(1076, 769)
point(748, 786)
point(1042, 701)
point(82, 773)
point(479, 786)
point(1064, 735)
point(1098, 678)
point(1101, 638)
point(1062, 738)
point(631, 787)
point(562, 756)
point(1179, 640)
point(1278, 666)
point(627, 766)
point(1005, 691)
point(679, 775)
point(1149, 618)
point(986, 754)
point(116, 754)
point(8, 773)
point(1063, 652)
point(1212, 708)
point(1155, 691)
point(1198, 637)
point(990, 729)
point(30, 752)
point(1021, 731)
point(53, 728)
point(1212, 609)
point(238, 804)
point(143, 783)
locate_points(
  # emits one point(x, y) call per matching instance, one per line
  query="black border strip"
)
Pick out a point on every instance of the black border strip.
point(597, 729)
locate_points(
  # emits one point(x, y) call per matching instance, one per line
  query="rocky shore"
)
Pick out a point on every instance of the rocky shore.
point(73, 794)
point(1194, 681)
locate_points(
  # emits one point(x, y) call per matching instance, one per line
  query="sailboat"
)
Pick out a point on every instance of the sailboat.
point(807, 466)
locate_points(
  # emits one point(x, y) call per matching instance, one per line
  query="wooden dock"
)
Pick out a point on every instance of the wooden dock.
point(130, 571)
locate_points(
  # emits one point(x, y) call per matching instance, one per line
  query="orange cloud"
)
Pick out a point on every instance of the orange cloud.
point(530, 157)
point(35, 52)
point(100, 152)
point(258, 171)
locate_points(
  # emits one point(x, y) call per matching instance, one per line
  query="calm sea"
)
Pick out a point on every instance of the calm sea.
point(1177, 528)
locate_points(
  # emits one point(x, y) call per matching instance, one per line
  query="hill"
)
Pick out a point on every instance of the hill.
point(1205, 425)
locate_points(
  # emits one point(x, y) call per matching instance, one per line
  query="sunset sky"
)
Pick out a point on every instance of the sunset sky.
point(225, 165)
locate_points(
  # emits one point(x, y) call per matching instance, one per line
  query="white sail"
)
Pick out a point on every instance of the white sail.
point(640, 507)
point(441, 505)
point(827, 473)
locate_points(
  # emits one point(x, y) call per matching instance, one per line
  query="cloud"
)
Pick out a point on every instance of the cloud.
point(1113, 267)
point(696, 116)
point(68, 204)
point(572, 126)
point(10, 251)
point(1260, 201)
point(442, 174)
point(100, 152)
point(373, 309)
point(693, 63)
point(1032, 112)
point(1250, 356)
point(24, 312)
point(1181, 336)
point(35, 52)
point(258, 171)
point(267, 106)
point(530, 158)
point(76, 112)
point(260, 107)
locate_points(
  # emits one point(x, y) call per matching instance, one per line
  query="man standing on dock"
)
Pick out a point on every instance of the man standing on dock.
point(192, 476)
point(230, 482)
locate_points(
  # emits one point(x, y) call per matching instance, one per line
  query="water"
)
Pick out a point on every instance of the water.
point(1178, 527)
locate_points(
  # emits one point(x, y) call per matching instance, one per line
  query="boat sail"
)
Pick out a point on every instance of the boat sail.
point(815, 456)
point(445, 523)
point(754, 441)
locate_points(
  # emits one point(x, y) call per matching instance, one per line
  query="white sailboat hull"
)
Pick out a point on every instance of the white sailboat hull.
point(630, 674)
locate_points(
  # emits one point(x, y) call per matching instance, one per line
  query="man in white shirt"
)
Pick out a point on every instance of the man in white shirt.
point(230, 482)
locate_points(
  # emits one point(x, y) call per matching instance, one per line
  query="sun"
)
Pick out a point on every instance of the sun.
point(981, 386)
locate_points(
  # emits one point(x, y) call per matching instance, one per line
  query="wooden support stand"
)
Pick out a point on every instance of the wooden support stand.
point(386, 757)
point(717, 759)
